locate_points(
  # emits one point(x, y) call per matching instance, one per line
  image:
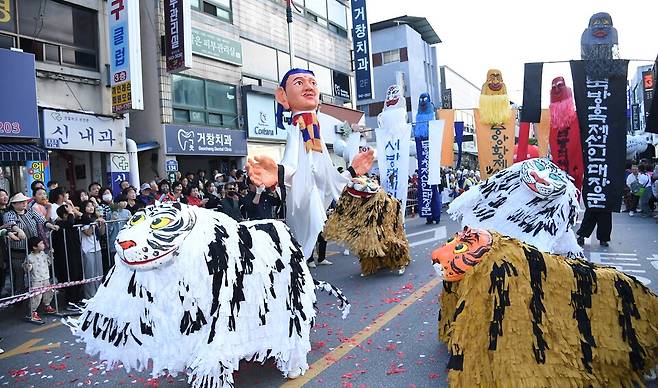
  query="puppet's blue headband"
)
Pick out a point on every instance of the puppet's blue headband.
point(279, 107)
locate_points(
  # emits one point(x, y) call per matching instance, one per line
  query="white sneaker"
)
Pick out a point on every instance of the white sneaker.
point(325, 262)
point(401, 271)
point(2, 350)
point(346, 252)
point(312, 264)
point(631, 213)
point(294, 374)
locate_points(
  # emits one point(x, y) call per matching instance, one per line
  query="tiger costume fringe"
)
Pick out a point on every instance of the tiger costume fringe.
point(372, 227)
point(523, 318)
point(194, 291)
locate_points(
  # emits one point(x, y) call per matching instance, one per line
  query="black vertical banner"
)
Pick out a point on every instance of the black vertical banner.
point(531, 112)
point(600, 92)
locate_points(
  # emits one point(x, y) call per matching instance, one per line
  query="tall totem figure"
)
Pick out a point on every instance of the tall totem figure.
point(599, 40)
point(429, 196)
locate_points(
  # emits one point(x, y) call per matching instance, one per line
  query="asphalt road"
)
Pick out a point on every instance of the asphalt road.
point(388, 340)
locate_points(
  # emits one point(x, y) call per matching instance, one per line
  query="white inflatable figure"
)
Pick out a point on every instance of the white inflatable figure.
point(195, 291)
point(533, 201)
point(637, 144)
point(393, 144)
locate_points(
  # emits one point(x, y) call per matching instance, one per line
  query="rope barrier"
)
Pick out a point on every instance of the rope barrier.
point(43, 290)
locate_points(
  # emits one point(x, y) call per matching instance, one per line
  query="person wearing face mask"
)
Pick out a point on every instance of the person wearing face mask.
point(231, 203)
point(214, 199)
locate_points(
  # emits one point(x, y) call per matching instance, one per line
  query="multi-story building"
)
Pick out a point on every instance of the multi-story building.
point(221, 110)
point(641, 89)
point(66, 42)
point(403, 46)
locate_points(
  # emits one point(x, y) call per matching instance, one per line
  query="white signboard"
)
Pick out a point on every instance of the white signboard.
point(83, 132)
point(260, 118)
point(434, 157)
point(125, 55)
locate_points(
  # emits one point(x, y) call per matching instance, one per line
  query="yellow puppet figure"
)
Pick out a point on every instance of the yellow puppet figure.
point(513, 316)
point(494, 102)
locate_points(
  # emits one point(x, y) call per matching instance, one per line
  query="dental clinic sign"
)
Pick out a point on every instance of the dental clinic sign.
point(207, 141)
point(125, 56)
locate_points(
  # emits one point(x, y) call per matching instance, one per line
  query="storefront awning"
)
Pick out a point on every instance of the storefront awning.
point(147, 146)
point(21, 152)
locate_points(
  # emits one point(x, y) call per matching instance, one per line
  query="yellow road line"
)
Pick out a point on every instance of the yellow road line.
point(46, 327)
point(28, 347)
point(332, 357)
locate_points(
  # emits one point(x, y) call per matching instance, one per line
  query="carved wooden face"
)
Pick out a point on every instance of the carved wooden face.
point(494, 85)
point(461, 253)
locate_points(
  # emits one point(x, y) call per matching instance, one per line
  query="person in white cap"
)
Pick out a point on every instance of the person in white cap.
point(26, 223)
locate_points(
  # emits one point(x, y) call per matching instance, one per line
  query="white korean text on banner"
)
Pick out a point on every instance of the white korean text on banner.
point(178, 35)
point(125, 56)
point(600, 93)
point(361, 47)
point(118, 170)
point(82, 132)
point(393, 136)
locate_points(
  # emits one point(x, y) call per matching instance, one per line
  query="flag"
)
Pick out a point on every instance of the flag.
point(495, 145)
point(447, 152)
point(459, 138)
point(531, 112)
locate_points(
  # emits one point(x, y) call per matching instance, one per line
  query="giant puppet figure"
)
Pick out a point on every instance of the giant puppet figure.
point(421, 135)
point(564, 137)
point(393, 142)
point(307, 176)
point(599, 40)
point(515, 316)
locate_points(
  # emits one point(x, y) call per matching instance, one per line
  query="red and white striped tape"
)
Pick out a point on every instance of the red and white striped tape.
point(43, 290)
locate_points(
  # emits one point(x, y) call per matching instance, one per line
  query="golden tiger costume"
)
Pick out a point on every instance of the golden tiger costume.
point(522, 318)
point(369, 221)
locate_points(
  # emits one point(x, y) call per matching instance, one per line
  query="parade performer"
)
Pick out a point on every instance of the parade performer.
point(421, 135)
point(306, 171)
point(564, 138)
point(369, 221)
point(532, 200)
point(195, 291)
point(513, 316)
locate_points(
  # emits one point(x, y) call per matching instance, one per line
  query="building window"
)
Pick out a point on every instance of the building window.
point(220, 9)
point(198, 101)
point(331, 14)
point(53, 31)
point(391, 56)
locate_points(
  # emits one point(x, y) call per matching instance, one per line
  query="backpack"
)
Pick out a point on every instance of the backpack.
point(636, 188)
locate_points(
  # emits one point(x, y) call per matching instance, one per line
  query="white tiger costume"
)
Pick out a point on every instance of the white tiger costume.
point(194, 291)
point(533, 201)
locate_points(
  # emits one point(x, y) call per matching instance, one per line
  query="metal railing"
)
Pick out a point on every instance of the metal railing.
point(71, 269)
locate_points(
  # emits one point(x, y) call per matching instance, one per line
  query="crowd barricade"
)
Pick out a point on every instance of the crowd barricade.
point(73, 269)
point(412, 201)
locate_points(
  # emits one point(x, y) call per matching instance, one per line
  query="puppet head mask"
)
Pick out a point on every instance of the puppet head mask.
point(362, 187)
point(394, 98)
point(600, 25)
point(544, 178)
point(424, 103)
point(559, 90)
point(461, 253)
point(151, 237)
point(494, 84)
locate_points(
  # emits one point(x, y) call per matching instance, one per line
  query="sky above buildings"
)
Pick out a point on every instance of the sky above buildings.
point(479, 35)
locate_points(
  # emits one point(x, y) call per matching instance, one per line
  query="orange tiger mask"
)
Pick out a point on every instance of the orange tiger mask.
point(461, 253)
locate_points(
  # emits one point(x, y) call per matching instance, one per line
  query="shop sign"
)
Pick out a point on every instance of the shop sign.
point(207, 141)
point(83, 132)
point(341, 85)
point(171, 165)
point(361, 47)
point(261, 121)
point(37, 170)
point(125, 56)
point(118, 171)
point(178, 35)
point(18, 107)
point(214, 46)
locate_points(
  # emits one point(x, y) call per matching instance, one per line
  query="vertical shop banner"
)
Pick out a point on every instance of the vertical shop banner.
point(178, 35)
point(18, 106)
point(495, 144)
point(648, 90)
point(542, 132)
point(361, 47)
point(447, 145)
point(118, 169)
point(601, 108)
point(37, 170)
point(125, 56)
point(459, 139)
point(436, 128)
point(393, 154)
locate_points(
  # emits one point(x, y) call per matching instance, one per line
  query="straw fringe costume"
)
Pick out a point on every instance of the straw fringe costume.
point(523, 318)
point(373, 228)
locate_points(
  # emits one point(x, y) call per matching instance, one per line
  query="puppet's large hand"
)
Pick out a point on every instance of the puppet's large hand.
point(263, 170)
point(363, 161)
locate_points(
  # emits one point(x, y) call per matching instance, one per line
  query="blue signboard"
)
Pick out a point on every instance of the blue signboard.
point(361, 42)
point(171, 166)
point(115, 179)
point(209, 141)
point(18, 107)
